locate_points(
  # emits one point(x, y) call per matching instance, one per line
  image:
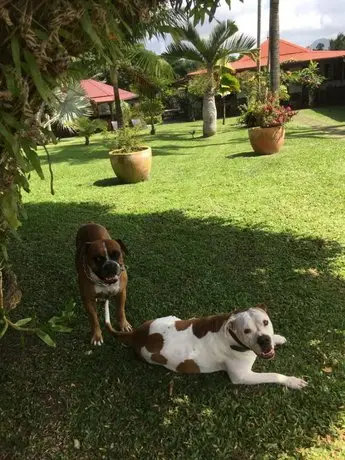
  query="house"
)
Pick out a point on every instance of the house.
point(295, 57)
point(101, 96)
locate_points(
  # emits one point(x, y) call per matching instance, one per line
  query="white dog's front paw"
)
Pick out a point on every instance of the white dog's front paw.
point(296, 383)
point(279, 340)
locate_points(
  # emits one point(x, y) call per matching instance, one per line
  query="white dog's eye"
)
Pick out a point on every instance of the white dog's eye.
point(265, 322)
point(247, 331)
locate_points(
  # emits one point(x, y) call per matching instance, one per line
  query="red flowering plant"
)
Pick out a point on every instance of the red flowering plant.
point(265, 114)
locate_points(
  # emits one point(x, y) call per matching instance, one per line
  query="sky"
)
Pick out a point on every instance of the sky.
point(301, 22)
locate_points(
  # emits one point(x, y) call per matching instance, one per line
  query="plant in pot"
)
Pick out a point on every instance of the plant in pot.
point(265, 122)
point(130, 159)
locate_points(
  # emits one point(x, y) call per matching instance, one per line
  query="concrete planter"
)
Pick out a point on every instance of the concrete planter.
point(132, 167)
point(267, 140)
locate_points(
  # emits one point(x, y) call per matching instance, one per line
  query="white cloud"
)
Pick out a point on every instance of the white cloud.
point(301, 22)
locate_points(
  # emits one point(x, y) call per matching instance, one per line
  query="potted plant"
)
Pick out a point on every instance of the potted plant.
point(130, 159)
point(265, 122)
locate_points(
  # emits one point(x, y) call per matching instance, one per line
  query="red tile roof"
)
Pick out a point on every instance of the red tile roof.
point(288, 52)
point(100, 92)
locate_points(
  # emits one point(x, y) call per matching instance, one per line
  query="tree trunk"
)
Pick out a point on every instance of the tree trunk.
point(153, 129)
point(258, 44)
point(118, 110)
point(224, 110)
point(209, 110)
point(311, 96)
point(274, 47)
point(87, 140)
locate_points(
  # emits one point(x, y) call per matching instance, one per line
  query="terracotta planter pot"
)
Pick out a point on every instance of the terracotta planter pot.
point(132, 167)
point(267, 140)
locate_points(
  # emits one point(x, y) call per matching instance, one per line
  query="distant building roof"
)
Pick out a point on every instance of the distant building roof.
point(100, 92)
point(288, 52)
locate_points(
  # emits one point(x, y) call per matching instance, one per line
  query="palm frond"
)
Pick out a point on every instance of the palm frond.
point(188, 33)
point(221, 33)
point(182, 50)
point(150, 63)
point(68, 105)
point(240, 44)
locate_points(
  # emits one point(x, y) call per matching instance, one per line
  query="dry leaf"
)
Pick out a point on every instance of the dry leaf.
point(313, 272)
point(328, 370)
point(171, 388)
point(76, 444)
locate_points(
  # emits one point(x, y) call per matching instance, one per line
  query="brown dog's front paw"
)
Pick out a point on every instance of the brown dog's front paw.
point(125, 326)
point(97, 338)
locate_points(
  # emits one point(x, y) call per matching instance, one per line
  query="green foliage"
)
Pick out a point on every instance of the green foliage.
point(309, 76)
point(198, 84)
point(86, 127)
point(228, 84)
point(265, 114)
point(60, 323)
point(337, 43)
point(255, 86)
point(125, 139)
point(126, 112)
point(152, 108)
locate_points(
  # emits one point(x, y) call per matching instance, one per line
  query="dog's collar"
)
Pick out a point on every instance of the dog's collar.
point(241, 346)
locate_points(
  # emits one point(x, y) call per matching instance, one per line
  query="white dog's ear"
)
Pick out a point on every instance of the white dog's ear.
point(262, 306)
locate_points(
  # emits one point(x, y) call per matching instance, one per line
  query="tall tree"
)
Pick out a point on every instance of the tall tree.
point(337, 43)
point(274, 46)
point(220, 45)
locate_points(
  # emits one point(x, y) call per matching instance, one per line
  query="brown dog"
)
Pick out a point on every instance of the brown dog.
point(101, 274)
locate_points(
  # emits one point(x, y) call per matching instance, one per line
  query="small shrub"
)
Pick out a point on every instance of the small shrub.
point(126, 140)
point(265, 114)
point(85, 127)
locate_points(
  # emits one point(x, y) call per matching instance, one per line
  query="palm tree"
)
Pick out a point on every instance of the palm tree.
point(221, 44)
point(274, 46)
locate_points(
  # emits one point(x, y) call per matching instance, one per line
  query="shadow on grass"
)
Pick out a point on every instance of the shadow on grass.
point(244, 155)
point(109, 182)
point(76, 153)
point(318, 132)
point(337, 113)
point(187, 267)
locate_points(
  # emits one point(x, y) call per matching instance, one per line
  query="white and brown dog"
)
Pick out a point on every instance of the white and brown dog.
point(229, 342)
point(101, 275)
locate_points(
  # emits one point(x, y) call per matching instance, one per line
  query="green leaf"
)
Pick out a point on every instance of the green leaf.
point(3, 330)
point(15, 47)
point(11, 83)
point(4, 252)
point(11, 121)
point(33, 69)
point(86, 24)
point(61, 328)
point(33, 158)
point(45, 337)
point(7, 134)
point(10, 209)
point(23, 321)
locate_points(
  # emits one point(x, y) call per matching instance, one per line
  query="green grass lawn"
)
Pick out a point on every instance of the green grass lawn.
point(214, 229)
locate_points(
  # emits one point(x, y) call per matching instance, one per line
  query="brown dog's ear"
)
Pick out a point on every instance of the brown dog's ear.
point(231, 325)
point(122, 246)
point(262, 306)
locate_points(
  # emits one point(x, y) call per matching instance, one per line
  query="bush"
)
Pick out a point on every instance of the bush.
point(265, 114)
point(86, 127)
point(124, 139)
